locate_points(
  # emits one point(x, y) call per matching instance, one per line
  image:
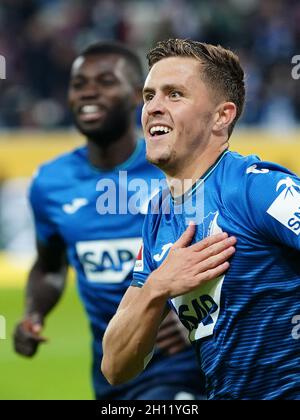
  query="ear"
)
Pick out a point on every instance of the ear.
point(225, 115)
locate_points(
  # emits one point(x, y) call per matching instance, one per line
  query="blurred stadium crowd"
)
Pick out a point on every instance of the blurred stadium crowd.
point(39, 39)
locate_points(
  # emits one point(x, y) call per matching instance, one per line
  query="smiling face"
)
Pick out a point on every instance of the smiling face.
point(102, 97)
point(178, 114)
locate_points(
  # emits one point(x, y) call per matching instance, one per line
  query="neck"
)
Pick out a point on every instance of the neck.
point(108, 156)
point(181, 180)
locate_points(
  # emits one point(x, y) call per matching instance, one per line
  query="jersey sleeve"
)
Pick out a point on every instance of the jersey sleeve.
point(143, 265)
point(44, 228)
point(269, 201)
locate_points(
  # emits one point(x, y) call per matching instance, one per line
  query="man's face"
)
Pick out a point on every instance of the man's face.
point(101, 97)
point(178, 112)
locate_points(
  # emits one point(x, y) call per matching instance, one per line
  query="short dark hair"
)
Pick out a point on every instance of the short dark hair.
point(114, 47)
point(221, 67)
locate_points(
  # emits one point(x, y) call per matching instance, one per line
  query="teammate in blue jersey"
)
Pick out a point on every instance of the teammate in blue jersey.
point(78, 223)
point(244, 323)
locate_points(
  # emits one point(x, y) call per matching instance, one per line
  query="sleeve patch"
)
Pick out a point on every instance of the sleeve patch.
point(139, 263)
point(286, 207)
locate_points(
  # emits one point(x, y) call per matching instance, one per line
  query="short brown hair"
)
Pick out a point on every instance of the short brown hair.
point(221, 67)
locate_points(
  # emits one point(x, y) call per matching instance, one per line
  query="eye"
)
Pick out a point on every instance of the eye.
point(148, 97)
point(175, 94)
point(77, 84)
point(108, 81)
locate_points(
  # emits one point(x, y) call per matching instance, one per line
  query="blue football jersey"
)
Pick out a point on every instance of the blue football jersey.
point(245, 324)
point(88, 209)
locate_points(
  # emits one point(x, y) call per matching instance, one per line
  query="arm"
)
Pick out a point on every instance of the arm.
point(45, 286)
point(131, 334)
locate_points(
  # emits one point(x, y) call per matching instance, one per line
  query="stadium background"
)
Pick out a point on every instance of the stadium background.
point(39, 39)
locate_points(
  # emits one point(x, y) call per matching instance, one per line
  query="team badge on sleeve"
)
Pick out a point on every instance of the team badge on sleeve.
point(139, 262)
point(286, 207)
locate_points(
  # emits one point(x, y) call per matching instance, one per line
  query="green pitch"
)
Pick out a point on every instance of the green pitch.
point(61, 369)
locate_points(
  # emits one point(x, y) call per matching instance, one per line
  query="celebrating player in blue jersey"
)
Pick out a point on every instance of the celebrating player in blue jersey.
point(67, 196)
point(244, 323)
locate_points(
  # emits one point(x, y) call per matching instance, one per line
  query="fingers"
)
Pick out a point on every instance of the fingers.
point(169, 347)
point(215, 249)
point(172, 337)
point(172, 328)
point(33, 330)
point(172, 342)
point(170, 319)
point(210, 240)
point(215, 260)
point(36, 329)
point(213, 273)
point(25, 343)
point(186, 238)
point(27, 338)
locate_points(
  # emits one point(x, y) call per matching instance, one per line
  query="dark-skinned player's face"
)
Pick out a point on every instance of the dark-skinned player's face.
point(102, 97)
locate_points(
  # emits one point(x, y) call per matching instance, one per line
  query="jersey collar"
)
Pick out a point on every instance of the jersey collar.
point(180, 199)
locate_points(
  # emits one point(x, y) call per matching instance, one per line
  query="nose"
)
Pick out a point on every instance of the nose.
point(156, 106)
point(89, 91)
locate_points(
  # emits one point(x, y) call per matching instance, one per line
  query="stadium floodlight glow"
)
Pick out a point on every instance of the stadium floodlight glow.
point(2, 67)
point(296, 68)
point(2, 328)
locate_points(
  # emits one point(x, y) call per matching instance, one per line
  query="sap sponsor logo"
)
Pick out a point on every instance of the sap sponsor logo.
point(108, 261)
point(296, 329)
point(2, 327)
point(199, 310)
point(286, 207)
point(253, 170)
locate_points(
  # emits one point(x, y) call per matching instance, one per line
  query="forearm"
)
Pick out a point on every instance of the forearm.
point(44, 289)
point(131, 335)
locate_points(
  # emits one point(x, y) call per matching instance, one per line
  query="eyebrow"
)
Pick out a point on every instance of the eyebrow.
point(164, 88)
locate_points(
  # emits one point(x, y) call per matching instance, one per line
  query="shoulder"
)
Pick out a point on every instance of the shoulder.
point(239, 165)
point(251, 184)
point(52, 174)
point(62, 164)
point(60, 168)
point(245, 172)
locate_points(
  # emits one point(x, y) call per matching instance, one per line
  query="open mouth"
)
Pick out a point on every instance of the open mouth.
point(90, 113)
point(159, 130)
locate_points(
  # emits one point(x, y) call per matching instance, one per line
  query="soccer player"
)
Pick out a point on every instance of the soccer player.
point(244, 323)
point(105, 88)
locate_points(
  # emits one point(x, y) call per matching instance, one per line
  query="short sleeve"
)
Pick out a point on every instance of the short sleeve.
point(269, 201)
point(45, 229)
point(143, 265)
